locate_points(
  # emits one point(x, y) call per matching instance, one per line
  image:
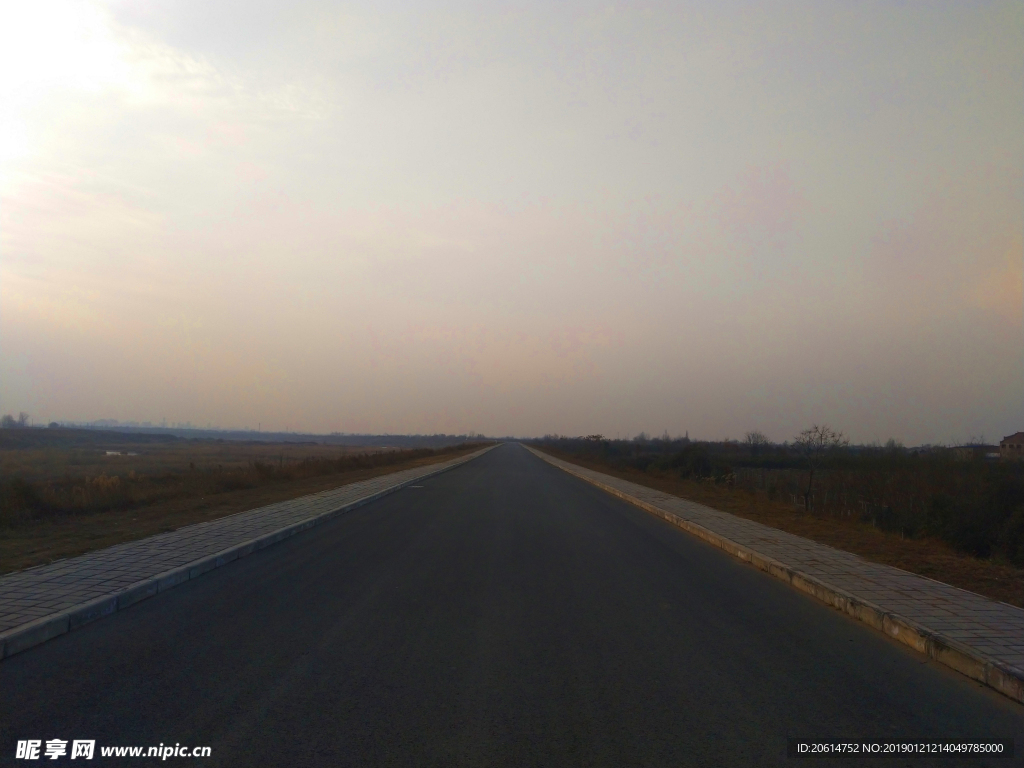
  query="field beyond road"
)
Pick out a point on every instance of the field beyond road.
point(101, 489)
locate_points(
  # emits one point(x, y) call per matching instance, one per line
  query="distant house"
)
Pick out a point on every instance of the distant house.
point(1012, 447)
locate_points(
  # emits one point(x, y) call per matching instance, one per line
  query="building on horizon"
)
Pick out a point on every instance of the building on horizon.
point(1012, 447)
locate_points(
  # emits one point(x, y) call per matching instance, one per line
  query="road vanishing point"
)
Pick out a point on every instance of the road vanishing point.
point(503, 613)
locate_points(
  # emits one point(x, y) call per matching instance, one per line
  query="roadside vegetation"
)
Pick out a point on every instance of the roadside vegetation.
point(64, 494)
point(949, 513)
point(24, 500)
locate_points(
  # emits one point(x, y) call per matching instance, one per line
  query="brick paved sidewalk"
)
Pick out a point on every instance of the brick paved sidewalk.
point(980, 637)
point(115, 577)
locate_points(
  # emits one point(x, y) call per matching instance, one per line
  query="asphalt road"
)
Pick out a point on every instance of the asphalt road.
point(504, 614)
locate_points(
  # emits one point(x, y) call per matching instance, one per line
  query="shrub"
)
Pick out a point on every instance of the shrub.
point(19, 500)
point(1012, 537)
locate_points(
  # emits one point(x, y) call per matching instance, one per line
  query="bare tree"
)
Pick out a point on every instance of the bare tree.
point(756, 441)
point(892, 445)
point(816, 444)
point(9, 422)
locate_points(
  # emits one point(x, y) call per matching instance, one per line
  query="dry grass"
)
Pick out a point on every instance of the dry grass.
point(47, 474)
point(926, 556)
point(156, 457)
point(43, 540)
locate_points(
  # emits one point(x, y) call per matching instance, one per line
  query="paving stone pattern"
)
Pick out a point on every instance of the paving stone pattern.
point(51, 589)
point(994, 629)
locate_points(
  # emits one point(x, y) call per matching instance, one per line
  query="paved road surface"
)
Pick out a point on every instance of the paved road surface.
point(505, 614)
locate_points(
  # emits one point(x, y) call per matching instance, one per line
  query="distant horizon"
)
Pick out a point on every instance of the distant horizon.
point(114, 425)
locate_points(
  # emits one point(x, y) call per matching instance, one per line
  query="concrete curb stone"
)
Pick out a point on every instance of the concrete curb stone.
point(36, 632)
point(90, 611)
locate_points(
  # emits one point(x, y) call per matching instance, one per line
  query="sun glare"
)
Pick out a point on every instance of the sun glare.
point(49, 50)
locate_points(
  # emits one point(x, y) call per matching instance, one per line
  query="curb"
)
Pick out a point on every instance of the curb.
point(1004, 678)
point(36, 632)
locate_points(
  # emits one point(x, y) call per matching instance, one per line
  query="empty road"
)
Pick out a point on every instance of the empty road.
point(503, 614)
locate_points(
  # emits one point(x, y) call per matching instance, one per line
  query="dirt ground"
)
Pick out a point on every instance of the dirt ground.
point(44, 541)
point(926, 557)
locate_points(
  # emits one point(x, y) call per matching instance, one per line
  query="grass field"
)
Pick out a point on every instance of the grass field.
point(65, 494)
point(925, 556)
point(58, 454)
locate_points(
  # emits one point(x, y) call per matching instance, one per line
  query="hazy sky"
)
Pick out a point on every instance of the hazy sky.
point(516, 218)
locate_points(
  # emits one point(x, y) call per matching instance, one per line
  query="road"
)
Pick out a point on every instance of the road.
point(503, 614)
